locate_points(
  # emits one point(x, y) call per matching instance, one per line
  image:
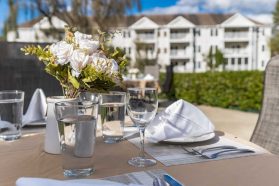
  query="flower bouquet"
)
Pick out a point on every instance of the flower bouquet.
point(82, 62)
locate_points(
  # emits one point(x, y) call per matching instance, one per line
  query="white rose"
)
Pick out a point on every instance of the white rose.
point(99, 61)
point(62, 51)
point(89, 45)
point(79, 60)
point(114, 66)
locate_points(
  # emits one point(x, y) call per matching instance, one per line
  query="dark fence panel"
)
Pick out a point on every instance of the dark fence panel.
point(26, 73)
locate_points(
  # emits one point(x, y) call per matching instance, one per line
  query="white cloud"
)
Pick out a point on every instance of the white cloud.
point(260, 10)
point(172, 10)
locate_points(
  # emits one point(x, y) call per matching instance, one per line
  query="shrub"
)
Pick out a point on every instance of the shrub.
point(239, 90)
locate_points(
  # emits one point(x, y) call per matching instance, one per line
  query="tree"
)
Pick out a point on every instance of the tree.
point(214, 60)
point(219, 59)
point(209, 59)
point(11, 22)
point(274, 41)
point(276, 14)
point(142, 58)
point(87, 15)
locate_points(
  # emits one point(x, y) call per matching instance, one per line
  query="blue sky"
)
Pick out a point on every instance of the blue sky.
point(260, 10)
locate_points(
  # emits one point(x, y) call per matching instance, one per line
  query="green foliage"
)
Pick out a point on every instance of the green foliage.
point(276, 14)
point(214, 60)
point(209, 59)
point(241, 90)
point(96, 81)
point(219, 59)
point(274, 44)
point(43, 54)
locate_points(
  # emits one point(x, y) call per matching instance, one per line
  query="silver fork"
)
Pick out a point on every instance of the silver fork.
point(216, 155)
point(196, 152)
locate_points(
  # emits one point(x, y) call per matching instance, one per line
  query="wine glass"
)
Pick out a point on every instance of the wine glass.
point(142, 105)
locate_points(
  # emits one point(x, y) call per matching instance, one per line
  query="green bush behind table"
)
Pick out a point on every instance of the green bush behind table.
point(238, 90)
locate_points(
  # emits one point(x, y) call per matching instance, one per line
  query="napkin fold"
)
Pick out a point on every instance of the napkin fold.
point(37, 108)
point(180, 119)
point(78, 182)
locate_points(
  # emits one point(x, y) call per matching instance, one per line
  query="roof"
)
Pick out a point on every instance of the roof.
point(31, 23)
point(196, 19)
point(163, 19)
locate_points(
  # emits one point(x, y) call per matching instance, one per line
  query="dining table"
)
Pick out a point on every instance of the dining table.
point(26, 158)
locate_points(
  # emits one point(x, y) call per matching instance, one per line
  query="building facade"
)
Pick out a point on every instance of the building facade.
point(185, 40)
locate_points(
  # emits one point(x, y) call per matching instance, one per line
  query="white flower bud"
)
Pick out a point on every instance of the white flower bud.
point(86, 42)
point(79, 36)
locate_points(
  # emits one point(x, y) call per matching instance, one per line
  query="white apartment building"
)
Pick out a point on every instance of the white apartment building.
point(35, 31)
point(185, 40)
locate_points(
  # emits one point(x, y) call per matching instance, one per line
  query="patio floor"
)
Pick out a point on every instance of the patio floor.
point(235, 122)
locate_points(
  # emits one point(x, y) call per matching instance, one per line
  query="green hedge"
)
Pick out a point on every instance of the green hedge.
point(239, 90)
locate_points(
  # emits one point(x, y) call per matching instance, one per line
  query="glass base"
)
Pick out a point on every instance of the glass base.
point(141, 162)
point(10, 137)
point(78, 172)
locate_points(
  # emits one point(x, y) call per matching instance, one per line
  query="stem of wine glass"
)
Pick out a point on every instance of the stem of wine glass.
point(142, 130)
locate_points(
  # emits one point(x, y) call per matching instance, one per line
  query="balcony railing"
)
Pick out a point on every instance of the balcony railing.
point(146, 36)
point(147, 54)
point(178, 35)
point(235, 35)
point(236, 51)
point(180, 53)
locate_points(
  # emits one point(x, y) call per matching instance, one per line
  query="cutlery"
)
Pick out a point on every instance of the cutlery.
point(214, 148)
point(199, 152)
point(215, 155)
point(190, 151)
point(171, 181)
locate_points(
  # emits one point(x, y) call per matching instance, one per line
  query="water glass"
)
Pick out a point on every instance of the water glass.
point(142, 106)
point(77, 131)
point(112, 111)
point(11, 110)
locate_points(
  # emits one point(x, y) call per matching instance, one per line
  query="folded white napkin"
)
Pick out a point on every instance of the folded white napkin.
point(78, 182)
point(37, 108)
point(180, 119)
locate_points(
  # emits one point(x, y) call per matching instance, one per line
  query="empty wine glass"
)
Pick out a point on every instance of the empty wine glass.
point(142, 105)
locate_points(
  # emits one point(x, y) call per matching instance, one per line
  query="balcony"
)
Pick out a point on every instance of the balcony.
point(178, 35)
point(236, 36)
point(180, 53)
point(182, 37)
point(236, 51)
point(146, 37)
point(147, 54)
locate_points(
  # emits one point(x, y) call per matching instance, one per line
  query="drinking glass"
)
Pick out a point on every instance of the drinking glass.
point(112, 110)
point(11, 110)
point(77, 131)
point(142, 106)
